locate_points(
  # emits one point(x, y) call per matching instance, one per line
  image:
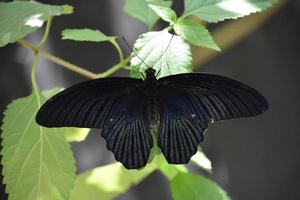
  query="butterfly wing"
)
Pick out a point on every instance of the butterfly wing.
point(179, 133)
point(114, 105)
point(214, 97)
point(128, 133)
point(188, 102)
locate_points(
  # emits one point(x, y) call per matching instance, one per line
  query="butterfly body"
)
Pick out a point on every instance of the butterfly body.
point(151, 91)
point(179, 107)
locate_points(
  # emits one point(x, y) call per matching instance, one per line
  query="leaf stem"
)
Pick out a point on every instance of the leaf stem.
point(35, 88)
point(46, 34)
point(116, 45)
point(115, 68)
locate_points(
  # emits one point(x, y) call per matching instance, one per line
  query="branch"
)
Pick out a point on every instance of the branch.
point(59, 61)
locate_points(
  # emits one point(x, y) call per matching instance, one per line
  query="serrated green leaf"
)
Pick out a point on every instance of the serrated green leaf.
point(195, 34)
point(219, 10)
point(165, 13)
point(85, 35)
point(200, 160)
point(195, 187)
point(191, 6)
point(140, 10)
point(152, 47)
point(37, 162)
point(19, 18)
point(107, 182)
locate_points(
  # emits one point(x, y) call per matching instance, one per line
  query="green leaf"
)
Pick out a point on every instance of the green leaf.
point(37, 162)
point(165, 13)
point(140, 10)
point(219, 10)
point(194, 187)
point(153, 49)
point(195, 34)
point(85, 35)
point(108, 181)
point(76, 134)
point(168, 170)
point(19, 18)
point(200, 160)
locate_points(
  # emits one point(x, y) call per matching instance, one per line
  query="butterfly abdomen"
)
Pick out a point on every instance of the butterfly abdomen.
point(151, 91)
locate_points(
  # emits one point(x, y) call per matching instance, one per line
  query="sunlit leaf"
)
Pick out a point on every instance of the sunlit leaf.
point(19, 18)
point(168, 170)
point(37, 162)
point(165, 54)
point(108, 181)
point(165, 13)
point(219, 10)
point(76, 134)
point(200, 160)
point(140, 10)
point(85, 35)
point(195, 187)
point(195, 34)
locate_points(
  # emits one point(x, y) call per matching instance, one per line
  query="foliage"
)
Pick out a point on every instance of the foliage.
point(85, 35)
point(19, 18)
point(139, 9)
point(219, 10)
point(167, 54)
point(38, 162)
point(192, 186)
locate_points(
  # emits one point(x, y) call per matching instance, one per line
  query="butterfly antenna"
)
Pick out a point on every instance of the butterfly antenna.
point(164, 51)
point(158, 73)
point(134, 52)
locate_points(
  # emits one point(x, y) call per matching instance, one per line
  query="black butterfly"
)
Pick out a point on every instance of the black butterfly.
point(180, 107)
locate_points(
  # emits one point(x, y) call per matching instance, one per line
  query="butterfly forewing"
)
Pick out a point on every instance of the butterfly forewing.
point(212, 97)
point(87, 104)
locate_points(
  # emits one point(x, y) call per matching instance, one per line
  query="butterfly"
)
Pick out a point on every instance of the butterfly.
point(180, 107)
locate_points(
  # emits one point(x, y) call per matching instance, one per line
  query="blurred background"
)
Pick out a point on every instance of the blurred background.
point(255, 158)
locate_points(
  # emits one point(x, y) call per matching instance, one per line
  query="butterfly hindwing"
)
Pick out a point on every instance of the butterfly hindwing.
point(128, 134)
point(179, 131)
point(213, 97)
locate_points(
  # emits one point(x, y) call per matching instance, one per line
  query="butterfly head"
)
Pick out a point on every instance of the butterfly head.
point(150, 73)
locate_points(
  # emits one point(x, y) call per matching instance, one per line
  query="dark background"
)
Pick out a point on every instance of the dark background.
point(256, 158)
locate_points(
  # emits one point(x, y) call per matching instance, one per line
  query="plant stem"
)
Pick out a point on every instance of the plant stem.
point(37, 50)
point(114, 68)
point(69, 66)
point(127, 68)
point(36, 60)
point(46, 34)
point(59, 61)
point(116, 45)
